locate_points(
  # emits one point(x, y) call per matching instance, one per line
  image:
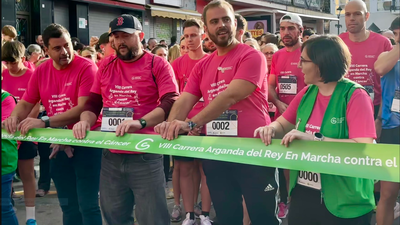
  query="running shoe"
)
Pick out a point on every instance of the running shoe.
point(205, 220)
point(176, 213)
point(283, 210)
point(188, 221)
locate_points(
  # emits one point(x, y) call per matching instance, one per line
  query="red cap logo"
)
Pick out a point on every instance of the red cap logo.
point(120, 21)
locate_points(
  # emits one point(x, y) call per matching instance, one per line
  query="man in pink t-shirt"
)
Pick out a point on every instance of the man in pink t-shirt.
point(286, 79)
point(184, 167)
point(136, 91)
point(235, 94)
point(63, 84)
point(365, 46)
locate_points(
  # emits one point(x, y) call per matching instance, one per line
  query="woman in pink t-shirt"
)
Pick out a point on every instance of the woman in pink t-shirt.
point(329, 97)
point(33, 55)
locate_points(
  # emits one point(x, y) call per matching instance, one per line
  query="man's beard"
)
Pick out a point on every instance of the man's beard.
point(131, 54)
point(224, 43)
point(291, 43)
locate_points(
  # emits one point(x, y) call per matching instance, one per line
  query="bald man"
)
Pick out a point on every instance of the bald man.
point(365, 47)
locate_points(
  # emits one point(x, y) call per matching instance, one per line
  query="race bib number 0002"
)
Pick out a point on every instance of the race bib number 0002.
point(287, 84)
point(309, 179)
point(112, 117)
point(224, 125)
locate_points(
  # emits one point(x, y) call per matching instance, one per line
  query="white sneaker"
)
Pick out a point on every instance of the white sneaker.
point(188, 221)
point(397, 210)
point(205, 220)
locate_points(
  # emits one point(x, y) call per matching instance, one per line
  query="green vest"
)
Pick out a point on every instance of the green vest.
point(9, 152)
point(344, 197)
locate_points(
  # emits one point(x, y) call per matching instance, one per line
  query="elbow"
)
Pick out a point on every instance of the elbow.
point(379, 71)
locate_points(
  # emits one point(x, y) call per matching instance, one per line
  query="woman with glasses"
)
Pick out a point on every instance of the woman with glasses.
point(322, 198)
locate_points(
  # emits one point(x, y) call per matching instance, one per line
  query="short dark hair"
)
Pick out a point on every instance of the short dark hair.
point(270, 38)
point(12, 51)
point(214, 4)
point(247, 35)
point(241, 22)
point(53, 31)
point(308, 32)
point(155, 49)
point(150, 40)
point(173, 40)
point(79, 47)
point(192, 22)
point(330, 54)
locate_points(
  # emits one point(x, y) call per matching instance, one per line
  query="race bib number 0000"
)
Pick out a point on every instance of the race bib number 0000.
point(309, 179)
point(287, 84)
point(112, 117)
point(224, 125)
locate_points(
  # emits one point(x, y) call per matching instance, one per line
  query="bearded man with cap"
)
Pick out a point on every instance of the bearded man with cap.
point(149, 89)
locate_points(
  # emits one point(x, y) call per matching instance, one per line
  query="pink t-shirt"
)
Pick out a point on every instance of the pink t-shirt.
point(364, 54)
point(212, 76)
point(359, 114)
point(131, 85)
point(183, 66)
point(284, 67)
point(59, 90)
point(7, 106)
point(29, 65)
point(16, 85)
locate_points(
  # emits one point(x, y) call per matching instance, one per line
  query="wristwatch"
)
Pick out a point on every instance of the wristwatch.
point(143, 123)
point(318, 137)
point(192, 125)
point(46, 121)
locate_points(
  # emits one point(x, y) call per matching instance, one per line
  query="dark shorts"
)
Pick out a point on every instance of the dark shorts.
point(376, 110)
point(27, 150)
point(390, 136)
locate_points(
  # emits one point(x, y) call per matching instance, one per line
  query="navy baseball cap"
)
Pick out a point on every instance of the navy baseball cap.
point(395, 24)
point(125, 23)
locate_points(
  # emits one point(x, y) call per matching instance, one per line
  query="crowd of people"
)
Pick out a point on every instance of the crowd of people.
point(287, 86)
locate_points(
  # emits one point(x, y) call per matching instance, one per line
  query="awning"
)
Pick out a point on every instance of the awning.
point(323, 16)
point(182, 14)
point(124, 5)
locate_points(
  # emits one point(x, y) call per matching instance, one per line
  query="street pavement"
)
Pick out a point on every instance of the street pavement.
point(48, 211)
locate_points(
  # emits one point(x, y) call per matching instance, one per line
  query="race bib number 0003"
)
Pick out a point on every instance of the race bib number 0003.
point(224, 125)
point(287, 84)
point(309, 179)
point(112, 117)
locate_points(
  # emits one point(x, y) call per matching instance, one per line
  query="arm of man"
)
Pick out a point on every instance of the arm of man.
point(22, 110)
point(387, 60)
point(272, 95)
point(236, 91)
point(35, 111)
point(182, 106)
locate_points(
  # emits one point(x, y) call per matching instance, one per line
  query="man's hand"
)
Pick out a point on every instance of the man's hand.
point(128, 126)
point(281, 107)
point(80, 128)
point(93, 41)
point(56, 148)
point(171, 130)
point(30, 123)
point(10, 124)
point(295, 134)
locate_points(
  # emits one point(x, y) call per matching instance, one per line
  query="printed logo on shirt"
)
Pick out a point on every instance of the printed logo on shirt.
point(137, 78)
point(370, 56)
point(68, 84)
point(222, 69)
point(335, 120)
point(21, 89)
point(294, 63)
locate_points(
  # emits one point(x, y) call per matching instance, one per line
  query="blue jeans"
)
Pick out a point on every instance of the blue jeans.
point(77, 183)
point(8, 216)
point(129, 178)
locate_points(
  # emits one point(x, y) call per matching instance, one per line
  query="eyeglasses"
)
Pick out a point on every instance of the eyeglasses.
point(269, 53)
point(302, 60)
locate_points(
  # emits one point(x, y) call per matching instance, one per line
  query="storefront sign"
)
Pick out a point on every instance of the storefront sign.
point(257, 27)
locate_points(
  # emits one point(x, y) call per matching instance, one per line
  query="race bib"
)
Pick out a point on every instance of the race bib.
point(370, 90)
point(112, 117)
point(225, 125)
point(309, 179)
point(396, 102)
point(287, 84)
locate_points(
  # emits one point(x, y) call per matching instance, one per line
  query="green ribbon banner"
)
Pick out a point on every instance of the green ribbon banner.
point(371, 161)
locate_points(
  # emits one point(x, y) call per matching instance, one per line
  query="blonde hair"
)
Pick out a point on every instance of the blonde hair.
point(255, 43)
point(174, 53)
point(274, 46)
